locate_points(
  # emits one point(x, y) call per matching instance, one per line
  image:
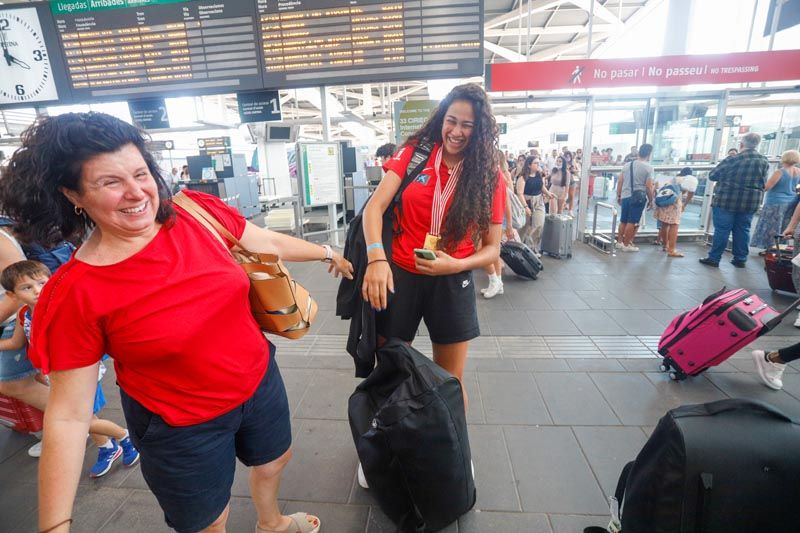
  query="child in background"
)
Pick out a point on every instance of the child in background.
point(23, 281)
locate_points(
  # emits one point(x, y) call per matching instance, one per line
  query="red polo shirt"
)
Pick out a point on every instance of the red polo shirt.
point(415, 217)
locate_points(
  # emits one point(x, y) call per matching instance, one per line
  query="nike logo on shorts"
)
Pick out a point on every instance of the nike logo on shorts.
point(465, 284)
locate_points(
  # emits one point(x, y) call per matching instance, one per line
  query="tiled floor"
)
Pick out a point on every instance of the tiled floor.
point(564, 388)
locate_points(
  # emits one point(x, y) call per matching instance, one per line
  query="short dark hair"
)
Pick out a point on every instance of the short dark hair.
point(645, 150)
point(51, 158)
point(14, 272)
point(386, 150)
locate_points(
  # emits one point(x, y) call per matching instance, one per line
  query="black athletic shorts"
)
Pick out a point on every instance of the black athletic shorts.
point(446, 303)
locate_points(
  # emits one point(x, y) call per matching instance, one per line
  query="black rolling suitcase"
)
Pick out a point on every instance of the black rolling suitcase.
point(729, 466)
point(410, 431)
point(521, 259)
point(778, 265)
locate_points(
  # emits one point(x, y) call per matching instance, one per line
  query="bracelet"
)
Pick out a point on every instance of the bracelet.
point(377, 261)
point(67, 521)
point(375, 245)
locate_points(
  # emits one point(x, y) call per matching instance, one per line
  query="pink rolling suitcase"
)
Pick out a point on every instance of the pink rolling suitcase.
point(707, 335)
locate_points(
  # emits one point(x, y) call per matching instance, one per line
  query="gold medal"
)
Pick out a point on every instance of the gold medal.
point(432, 242)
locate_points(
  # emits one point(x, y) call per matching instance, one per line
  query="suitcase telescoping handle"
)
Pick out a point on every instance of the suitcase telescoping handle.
point(773, 322)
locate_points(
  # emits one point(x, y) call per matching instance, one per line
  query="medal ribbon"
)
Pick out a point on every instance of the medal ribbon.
point(440, 197)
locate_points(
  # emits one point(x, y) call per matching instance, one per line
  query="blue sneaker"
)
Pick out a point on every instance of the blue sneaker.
point(105, 458)
point(130, 455)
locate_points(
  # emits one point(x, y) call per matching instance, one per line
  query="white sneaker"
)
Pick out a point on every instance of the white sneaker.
point(362, 480)
point(629, 248)
point(35, 450)
point(770, 373)
point(797, 321)
point(495, 288)
point(618, 245)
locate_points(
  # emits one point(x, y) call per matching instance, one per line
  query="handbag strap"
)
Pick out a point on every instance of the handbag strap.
point(213, 225)
point(632, 177)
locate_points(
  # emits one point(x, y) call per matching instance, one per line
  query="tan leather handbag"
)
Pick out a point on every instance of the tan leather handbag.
point(279, 304)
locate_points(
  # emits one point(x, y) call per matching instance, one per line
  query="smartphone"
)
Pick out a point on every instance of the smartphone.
point(424, 253)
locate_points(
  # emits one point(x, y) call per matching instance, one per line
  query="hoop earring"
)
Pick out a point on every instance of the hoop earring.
point(78, 210)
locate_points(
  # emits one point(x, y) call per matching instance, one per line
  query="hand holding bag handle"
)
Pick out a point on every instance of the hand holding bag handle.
point(279, 304)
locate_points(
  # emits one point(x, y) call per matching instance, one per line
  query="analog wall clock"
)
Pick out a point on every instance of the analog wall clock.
point(26, 74)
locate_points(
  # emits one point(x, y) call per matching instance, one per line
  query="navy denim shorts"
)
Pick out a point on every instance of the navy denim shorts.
point(630, 212)
point(190, 468)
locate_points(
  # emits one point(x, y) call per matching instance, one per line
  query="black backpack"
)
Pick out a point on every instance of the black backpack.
point(410, 432)
point(52, 257)
point(729, 466)
point(355, 247)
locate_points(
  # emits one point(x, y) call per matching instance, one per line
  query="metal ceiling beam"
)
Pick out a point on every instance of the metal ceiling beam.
point(536, 6)
point(561, 49)
point(640, 14)
point(502, 51)
point(549, 30)
point(599, 10)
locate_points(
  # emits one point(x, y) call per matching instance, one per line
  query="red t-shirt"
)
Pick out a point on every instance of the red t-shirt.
point(415, 218)
point(175, 317)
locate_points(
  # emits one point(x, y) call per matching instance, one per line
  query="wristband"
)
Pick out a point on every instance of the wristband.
point(377, 261)
point(375, 245)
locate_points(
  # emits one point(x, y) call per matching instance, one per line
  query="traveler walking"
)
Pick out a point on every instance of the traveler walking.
point(740, 183)
point(779, 199)
point(531, 186)
point(635, 191)
point(771, 365)
point(195, 397)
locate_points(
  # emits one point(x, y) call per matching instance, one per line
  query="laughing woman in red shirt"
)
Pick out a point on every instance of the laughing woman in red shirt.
point(456, 201)
point(154, 289)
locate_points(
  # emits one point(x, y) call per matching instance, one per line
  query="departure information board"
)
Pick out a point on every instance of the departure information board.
point(115, 51)
point(317, 42)
point(76, 51)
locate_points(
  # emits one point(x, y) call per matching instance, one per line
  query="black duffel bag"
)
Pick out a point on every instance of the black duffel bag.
point(410, 432)
point(729, 466)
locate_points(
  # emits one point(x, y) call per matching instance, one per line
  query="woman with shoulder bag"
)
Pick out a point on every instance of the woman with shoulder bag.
point(196, 397)
point(458, 200)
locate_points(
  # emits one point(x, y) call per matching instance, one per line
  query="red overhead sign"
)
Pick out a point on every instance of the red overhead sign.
point(665, 70)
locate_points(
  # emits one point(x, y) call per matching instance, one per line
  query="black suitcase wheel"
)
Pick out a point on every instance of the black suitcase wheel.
point(663, 367)
point(674, 376)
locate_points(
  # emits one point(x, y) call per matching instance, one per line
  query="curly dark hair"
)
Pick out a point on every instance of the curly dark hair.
point(470, 212)
point(51, 157)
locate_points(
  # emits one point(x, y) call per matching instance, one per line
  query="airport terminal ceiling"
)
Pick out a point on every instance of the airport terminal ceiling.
point(513, 30)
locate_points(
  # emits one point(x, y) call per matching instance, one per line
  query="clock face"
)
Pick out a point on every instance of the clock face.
point(25, 71)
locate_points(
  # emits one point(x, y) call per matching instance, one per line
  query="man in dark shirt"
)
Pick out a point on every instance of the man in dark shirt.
point(737, 196)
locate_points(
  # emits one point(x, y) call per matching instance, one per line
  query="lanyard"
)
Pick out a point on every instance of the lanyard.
point(440, 197)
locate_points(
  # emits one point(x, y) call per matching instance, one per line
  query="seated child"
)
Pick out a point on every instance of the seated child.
point(23, 281)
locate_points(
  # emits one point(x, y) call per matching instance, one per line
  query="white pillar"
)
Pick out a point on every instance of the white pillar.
point(679, 22)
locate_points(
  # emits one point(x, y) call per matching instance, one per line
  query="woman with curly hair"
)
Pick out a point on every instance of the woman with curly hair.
point(457, 200)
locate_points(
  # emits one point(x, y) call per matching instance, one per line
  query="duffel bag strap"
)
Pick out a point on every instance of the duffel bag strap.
point(615, 506)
